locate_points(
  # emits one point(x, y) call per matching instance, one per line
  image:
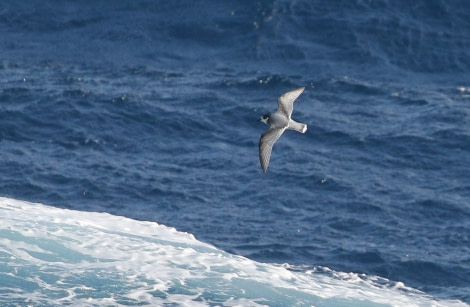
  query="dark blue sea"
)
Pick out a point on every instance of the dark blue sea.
point(129, 153)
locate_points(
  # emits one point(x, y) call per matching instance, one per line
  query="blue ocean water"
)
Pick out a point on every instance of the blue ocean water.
point(149, 111)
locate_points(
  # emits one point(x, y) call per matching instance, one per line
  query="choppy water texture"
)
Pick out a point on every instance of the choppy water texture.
point(59, 257)
point(149, 111)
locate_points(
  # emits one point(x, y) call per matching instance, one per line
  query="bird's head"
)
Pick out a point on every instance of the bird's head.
point(264, 118)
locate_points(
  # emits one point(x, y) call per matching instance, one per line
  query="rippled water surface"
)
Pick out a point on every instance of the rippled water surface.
point(149, 111)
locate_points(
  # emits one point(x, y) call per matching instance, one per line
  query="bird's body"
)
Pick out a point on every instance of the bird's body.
point(278, 122)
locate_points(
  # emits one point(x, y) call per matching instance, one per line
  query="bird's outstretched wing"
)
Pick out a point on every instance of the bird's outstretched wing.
point(286, 101)
point(266, 142)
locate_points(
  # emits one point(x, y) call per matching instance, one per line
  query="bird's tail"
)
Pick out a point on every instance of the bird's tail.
point(293, 125)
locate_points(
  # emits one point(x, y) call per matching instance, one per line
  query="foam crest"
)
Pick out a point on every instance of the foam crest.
point(52, 256)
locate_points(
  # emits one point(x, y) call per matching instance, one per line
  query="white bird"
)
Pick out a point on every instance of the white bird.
point(278, 122)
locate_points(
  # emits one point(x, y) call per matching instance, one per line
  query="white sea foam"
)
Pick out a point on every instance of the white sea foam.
point(52, 257)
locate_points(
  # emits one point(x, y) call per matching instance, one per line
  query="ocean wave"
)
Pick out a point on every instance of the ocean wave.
point(53, 256)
